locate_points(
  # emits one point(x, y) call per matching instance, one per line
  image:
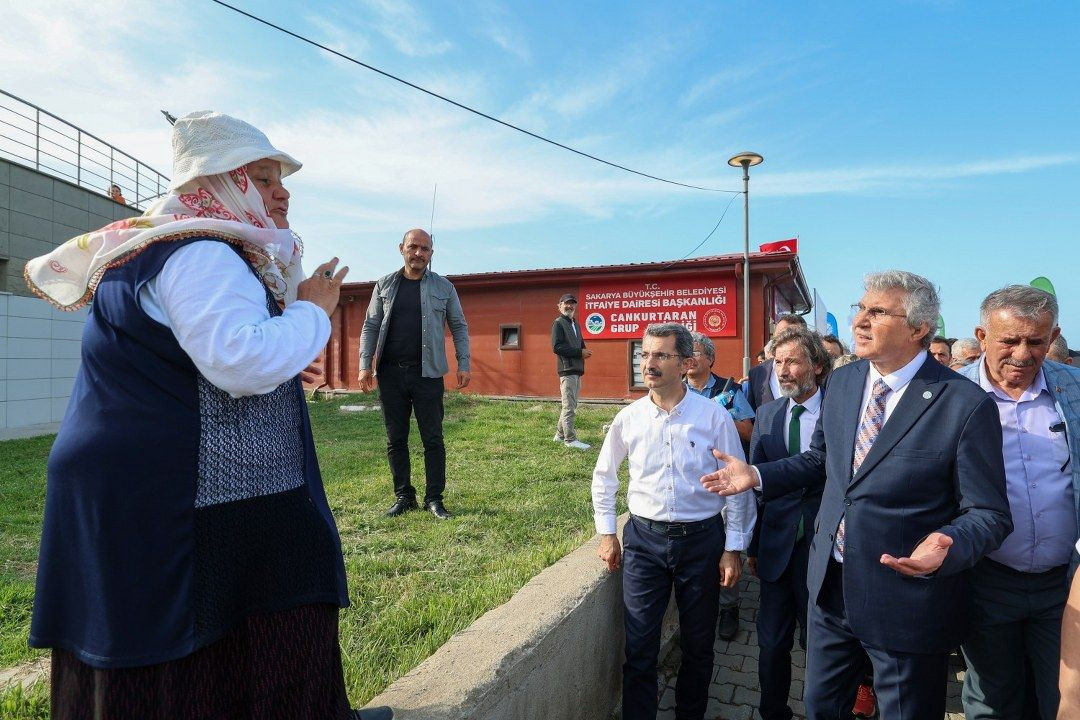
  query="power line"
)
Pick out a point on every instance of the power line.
point(722, 215)
point(466, 107)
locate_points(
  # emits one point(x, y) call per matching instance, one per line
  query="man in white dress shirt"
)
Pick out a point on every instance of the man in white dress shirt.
point(676, 537)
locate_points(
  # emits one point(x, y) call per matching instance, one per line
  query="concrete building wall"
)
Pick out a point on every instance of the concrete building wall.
point(39, 345)
point(39, 356)
point(39, 212)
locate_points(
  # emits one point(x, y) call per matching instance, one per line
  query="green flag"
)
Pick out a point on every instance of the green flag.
point(941, 326)
point(1043, 283)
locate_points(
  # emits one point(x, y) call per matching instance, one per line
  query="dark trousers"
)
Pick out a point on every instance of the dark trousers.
point(652, 565)
point(908, 685)
point(402, 391)
point(782, 603)
point(1015, 625)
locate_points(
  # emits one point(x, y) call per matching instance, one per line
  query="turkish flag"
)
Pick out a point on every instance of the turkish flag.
point(791, 245)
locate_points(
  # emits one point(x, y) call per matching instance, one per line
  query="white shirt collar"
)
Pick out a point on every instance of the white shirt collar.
point(900, 378)
point(1036, 388)
point(658, 411)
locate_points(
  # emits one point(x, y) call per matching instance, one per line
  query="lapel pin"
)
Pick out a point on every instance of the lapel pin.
point(927, 395)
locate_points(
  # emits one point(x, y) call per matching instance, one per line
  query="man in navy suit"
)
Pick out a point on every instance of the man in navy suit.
point(914, 495)
point(779, 553)
point(762, 386)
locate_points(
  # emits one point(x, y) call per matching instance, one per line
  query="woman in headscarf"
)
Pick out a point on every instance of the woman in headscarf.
point(189, 565)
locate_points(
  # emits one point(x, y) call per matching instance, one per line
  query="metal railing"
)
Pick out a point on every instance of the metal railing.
point(38, 139)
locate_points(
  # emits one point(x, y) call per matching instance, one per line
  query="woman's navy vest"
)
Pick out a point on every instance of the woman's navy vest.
point(173, 510)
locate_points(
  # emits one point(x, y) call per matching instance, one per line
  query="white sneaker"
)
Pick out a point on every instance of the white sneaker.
point(558, 439)
point(578, 444)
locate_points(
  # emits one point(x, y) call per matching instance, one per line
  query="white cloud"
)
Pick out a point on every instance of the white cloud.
point(374, 149)
point(899, 178)
point(406, 28)
point(345, 40)
point(494, 24)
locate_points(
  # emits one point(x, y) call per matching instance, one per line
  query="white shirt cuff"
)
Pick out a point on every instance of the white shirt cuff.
point(605, 524)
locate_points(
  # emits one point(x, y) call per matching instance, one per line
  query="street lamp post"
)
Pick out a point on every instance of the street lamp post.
point(745, 160)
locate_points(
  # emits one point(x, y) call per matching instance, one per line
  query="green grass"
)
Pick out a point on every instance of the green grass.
point(520, 503)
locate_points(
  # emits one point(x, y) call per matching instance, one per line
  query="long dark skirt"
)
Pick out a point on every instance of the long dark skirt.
point(275, 666)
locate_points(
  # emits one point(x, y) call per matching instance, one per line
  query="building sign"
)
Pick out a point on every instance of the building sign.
point(624, 310)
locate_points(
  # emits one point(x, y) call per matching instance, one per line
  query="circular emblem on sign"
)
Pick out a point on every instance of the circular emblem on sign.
point(714, 320)
point(595, 323)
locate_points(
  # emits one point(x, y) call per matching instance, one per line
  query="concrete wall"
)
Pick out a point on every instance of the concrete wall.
point(39, 356)
point(39, 212)
point(39, 346)
point(554, 650)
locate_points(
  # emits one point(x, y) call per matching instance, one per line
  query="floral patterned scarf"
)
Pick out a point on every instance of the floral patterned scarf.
point(225, 206)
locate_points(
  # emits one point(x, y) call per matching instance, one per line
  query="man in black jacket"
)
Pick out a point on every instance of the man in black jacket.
point(570, 351)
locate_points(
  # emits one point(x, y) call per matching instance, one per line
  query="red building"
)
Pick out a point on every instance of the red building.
point(510, 316)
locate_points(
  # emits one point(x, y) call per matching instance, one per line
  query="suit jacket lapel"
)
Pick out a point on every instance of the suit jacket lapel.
point(922, 392)
point(766, 386)
point(778, 438)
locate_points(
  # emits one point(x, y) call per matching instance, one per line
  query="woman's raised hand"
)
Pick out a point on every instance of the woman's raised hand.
point(323, 287)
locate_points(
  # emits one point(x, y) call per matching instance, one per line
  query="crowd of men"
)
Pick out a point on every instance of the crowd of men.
point(944, 518)
point(918, 496)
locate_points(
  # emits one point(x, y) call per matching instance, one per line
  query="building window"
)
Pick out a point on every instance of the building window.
point(636, 379)
point(510, 337)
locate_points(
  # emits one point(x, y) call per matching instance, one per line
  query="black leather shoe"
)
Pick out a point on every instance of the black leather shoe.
point(401, 506)
point(376, 713)
point(729, 622)
point(435, 507)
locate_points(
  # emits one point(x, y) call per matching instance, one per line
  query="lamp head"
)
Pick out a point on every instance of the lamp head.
point(745, 160)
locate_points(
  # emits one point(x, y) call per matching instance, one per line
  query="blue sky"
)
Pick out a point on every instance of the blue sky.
point(938, 137)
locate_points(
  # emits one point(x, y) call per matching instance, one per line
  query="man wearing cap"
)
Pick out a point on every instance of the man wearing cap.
point(403, 339)
point(570, 353)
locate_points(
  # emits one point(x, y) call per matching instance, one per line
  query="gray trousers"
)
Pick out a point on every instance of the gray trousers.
point(570, 386)
point(1015, 622)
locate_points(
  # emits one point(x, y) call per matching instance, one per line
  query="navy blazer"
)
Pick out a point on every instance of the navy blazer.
point(759, 390)
point(936, 466)
point(778, 520)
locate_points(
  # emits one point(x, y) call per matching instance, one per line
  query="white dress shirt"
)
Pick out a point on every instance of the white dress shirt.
point(774, 382)
point(807, 421)
point(216, 308)
point(897, 382)
point(669, 453)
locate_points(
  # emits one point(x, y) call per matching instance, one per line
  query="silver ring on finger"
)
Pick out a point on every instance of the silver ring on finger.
point(328, 274)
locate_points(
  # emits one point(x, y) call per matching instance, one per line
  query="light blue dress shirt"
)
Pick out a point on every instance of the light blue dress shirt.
point(1040, 491)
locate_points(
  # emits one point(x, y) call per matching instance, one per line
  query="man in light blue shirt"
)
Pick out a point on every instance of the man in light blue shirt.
point(1020, 589)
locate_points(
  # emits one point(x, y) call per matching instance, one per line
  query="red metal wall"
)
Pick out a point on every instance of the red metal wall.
point(530, 371)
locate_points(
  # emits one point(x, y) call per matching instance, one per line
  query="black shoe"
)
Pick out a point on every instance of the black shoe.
point(435, 507)
point(401, 506)
point(729, 622)
point(376, 713)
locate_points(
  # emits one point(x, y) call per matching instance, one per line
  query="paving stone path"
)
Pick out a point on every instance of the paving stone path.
point(734, 692)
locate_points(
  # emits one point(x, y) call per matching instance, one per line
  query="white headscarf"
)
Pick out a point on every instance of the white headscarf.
point(225, 206)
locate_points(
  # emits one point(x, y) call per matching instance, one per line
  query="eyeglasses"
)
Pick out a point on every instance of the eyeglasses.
point(876, 314)
point(659, 356)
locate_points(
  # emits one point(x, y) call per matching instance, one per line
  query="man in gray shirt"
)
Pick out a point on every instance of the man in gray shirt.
point(403, 341)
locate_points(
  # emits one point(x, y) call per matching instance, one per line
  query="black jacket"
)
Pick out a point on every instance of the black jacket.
point(567, 346)
point(759, 391)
